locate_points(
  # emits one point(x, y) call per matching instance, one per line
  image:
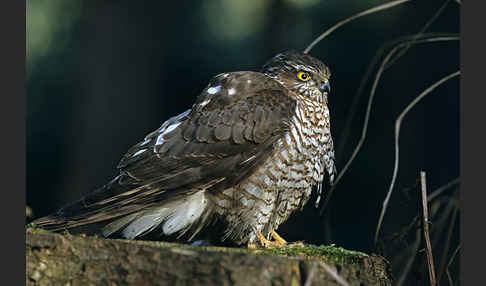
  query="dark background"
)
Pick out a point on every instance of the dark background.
point(103, 74)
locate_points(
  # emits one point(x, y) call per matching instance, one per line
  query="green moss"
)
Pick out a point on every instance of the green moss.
point(31, 228)
point(30, 225)
point(327, 252)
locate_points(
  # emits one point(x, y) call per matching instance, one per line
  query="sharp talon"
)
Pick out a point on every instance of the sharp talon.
point(263, 241)
point(277, 242)
point(278, 239)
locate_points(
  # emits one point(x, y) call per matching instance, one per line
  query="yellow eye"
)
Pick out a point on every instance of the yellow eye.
point(303, 76)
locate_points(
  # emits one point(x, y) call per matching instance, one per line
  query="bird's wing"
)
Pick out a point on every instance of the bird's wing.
point(232, 128)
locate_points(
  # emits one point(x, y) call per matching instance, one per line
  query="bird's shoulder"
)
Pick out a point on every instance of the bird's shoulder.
point(226, 89)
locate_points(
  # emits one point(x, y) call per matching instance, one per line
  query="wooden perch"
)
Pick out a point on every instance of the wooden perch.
point(55, 259)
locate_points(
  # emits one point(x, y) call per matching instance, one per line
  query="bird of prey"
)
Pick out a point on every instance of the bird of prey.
point(248, 153)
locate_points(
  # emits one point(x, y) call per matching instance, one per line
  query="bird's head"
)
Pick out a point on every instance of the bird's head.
point(300, 73)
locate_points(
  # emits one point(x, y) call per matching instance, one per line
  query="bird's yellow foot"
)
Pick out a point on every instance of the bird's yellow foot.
point(263, 241)
point(278, 241)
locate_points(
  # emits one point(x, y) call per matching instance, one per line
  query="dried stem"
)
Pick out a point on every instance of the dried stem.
point(449, 264)
point(448, 242)
point(421, 32)
point(356, 16)
point(310, 277)
point(373, 89)
point(395, 44)
point(411, 259)
point(334, 275)
point(443, 188)
point(430, 258)
point(397, 133)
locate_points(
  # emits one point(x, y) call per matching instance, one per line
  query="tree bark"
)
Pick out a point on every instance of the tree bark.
point(55, 259)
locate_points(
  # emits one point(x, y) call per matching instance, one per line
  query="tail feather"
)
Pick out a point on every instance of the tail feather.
point(132, 211)
point(102, 205)
point(51, 222)
point(174, 216)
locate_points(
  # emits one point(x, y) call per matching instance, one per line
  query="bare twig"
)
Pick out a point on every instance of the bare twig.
point(450, 262)
point(397, 44)
point(397, 133)
point(424, 28)
point(410, 39)
point(28, 212)
point(443, 188)
point(414, 249)
point(430, 258)
point(334, 275)
point(373, 89)
point(310, 277)
point(356, 16)
point(448, 241)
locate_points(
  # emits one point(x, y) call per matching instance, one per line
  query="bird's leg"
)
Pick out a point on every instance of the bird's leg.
point(278, 239)
point(263, 242)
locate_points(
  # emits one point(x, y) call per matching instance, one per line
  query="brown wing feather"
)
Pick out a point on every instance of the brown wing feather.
point(231, 129)
point(244, 116)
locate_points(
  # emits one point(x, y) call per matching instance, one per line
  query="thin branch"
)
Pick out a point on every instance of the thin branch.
point(357, 96)
point(424, 28)
point(399, 43)
point(356, 16)
point(372, 94)
point(443, 188)
point(410, 40)
point(430, 258)
point(411, 259)
point(450, 262)
point(397, 133)
point(334, 275)
point(448, 240)
point(310, 277)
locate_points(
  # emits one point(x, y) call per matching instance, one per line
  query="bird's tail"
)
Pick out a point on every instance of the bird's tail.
point(116, 209)
point(95, 207)
point(174, 216)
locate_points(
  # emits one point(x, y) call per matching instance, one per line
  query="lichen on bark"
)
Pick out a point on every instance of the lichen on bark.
point(55, 259)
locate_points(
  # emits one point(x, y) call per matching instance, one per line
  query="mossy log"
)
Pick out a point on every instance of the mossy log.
point(55, 259)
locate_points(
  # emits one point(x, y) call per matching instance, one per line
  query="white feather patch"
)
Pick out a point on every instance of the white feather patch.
point(174, 216)
point(144, 224)
point(185, 213)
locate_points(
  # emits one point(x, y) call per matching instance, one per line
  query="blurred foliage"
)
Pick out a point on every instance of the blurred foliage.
point(49, 23)
point(103, 74)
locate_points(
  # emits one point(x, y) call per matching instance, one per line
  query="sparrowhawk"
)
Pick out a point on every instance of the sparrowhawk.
point(248, 153)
